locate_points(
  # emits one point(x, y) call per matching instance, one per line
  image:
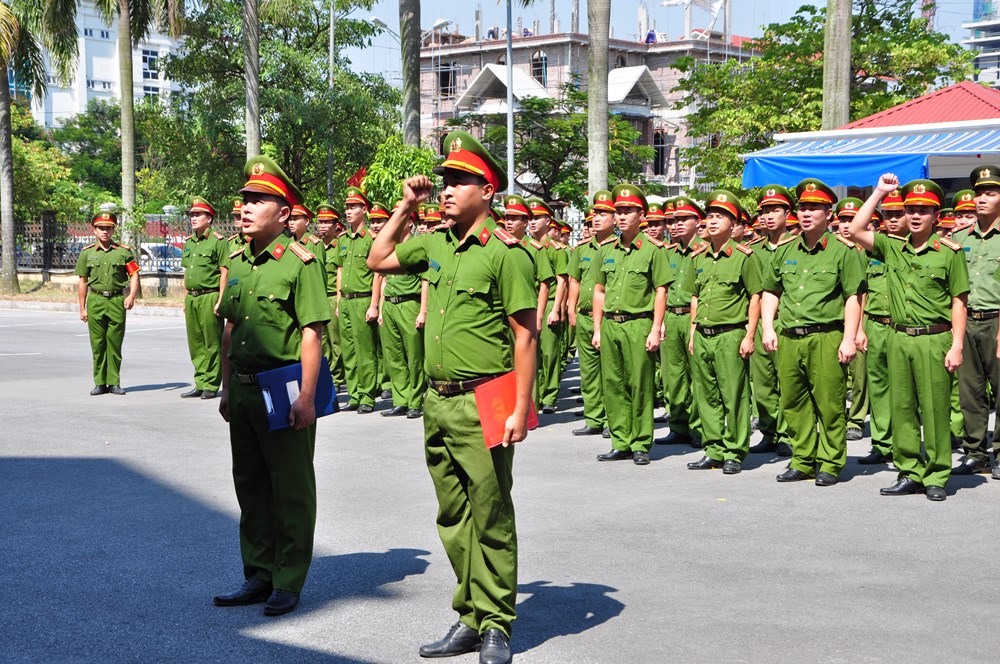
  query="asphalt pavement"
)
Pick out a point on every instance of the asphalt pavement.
point(118, 523)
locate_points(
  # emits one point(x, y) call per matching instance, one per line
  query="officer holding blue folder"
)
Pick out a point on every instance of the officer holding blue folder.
point(275, 308)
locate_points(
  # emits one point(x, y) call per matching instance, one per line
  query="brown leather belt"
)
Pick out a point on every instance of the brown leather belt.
point(244, 377)
point(812, 329)
point(884, 320)
point(716, 330)
point(983, 315)
point(921, 330)
point(585, 312)
point(196, 293)
point(449, 388)
point(105, 293)
point(402, 298)
point(680, 311)
point(354, 296)
point(621, 318)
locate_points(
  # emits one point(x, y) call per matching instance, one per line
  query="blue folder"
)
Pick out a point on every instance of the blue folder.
point(280, 387)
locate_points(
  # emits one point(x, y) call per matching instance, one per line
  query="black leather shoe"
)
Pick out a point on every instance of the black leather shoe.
point(754, 423)
point(640, 458)
point(458, 641)
point(579, 399)
point(116, 389)
point(662, 419)
point(364, 409)
point(732, 467)
point(996, 472)
point(936, 493)
point(191, 394)
point(99, 389)
point(209, 394)
point(784, 450)
point(874, 457)
point(350, 406)
point(386, 394)
point(904, 486)
point(281, 602)
point(614, 455)
point(548, 409)
point(414, 414)
point(397, 411)
point(588, 431)
point(606, 433)
point(673, 439)
point(855, 434)
point(253, 591)
point(825, 479)
point(969, 466)
point(704, 463)
point(763, 447)
point(496, 648)
point(793, 475)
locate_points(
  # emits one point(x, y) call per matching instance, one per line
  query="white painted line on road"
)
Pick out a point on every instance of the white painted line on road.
point(17, 354)
point(58, 322)
point(150, 329)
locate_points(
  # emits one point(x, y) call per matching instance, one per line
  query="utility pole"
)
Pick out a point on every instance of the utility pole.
point(837, 64)
point(331, 63)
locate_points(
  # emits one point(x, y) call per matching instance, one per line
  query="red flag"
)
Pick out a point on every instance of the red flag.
point(357, 179)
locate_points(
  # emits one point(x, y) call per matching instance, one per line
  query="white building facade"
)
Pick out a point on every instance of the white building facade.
point(985, 40)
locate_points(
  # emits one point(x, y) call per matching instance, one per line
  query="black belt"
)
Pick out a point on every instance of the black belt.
point(107, 293)
point(402, 298)
point(449, 388)
point(719, 329)
point(884, 320)
point(680, 311)
point(812, 329)
point(921, 330)
point(354, 296)
point(585, 312)
point(196, 293)
point(621, 318)
point(983, 315)
point(244, 377)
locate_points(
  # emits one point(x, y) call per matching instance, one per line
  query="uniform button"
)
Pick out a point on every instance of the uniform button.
point(449, 282)
point(437, 339)
point(243, 343)
point(246, 318)
point(442, 312)
point(251, 292)
point(270, 297)
point(255, 267)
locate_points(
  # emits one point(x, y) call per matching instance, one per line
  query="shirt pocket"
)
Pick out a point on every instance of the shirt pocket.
point(473, 299)
point(230, 306)
point(273, 306)
point(823, 280)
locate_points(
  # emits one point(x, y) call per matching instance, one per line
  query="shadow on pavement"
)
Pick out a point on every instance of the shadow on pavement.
point(152, 388)
point(103, 563)
point(553, 611)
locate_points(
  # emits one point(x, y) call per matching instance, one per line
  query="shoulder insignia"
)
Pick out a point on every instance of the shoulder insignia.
point(699, 249)
point(301, 252)
point(656, 243)
point(845, 240)
point(314, 239)
point(237, 252)
point(896, 237)
point(672, 245)
point(786, 240)
point(90, 246)
point(607, 240)
point(189, 237)
point(123, 246)
point(756, 240)
point(505, 237)
point(745, 249)
point(233, 237)
point(951, 244)
point(536, 244)
point(218, 235)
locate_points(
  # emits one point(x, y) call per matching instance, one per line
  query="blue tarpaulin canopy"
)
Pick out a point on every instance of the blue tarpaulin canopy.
point(861, 159)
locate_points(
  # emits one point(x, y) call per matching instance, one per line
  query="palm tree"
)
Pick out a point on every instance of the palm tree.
point(409, 46)
point(599, 27)
point(27, 29)
point(136, 19)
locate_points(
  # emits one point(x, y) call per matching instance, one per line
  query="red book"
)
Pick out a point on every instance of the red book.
point(495, 402)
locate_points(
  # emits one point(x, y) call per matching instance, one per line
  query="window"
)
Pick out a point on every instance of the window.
point(661, 149)
point(105, 85)
point(150, 92)
point(51, 80)
point(447, 78)
point(540, 67)
point(620, 61)
point(88, 32)
point(502, 60)
point(91, 83)
point(105, 34)
point(150, 70)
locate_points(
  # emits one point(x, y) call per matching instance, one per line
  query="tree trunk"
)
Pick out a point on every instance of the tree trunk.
point(837, 64)
point(8, 282)
point(128, 116)
point(251, 70)
point(409, 44)
point(599, 26)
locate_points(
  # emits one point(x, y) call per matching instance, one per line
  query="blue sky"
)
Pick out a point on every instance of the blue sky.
point(748, 16)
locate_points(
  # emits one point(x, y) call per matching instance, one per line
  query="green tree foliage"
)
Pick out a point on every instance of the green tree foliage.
point(394, 161)
point(93, 144)
point(551, 154)
point(737, 105)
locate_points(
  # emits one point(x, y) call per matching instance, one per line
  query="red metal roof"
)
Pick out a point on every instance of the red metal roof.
point(955, 103)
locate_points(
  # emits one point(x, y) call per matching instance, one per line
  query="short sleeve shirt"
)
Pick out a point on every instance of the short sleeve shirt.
point(877, 299)
point(540, 259)
point(631, 273)
point(679, 261)
point(202, 260)
point(584, 268)
point(330, 264)
point(106, 269)
point(352, 259)
point(723, 284)
point(982, 253)
point(473, 286)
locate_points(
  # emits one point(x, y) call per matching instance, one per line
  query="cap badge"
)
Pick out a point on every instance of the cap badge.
point(105, 216)
point(966, 197)
point(602, 197)
point(626, 193)
point(895, 193)
point(985, 173)
point(722, 198)
point(849, 205)
point(811, 186)
point(772, 192)
point(456, 145)
point(919, 189)
point(258, 168)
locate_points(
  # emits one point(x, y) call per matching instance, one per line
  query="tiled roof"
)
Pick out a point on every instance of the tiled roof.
point(955, 103)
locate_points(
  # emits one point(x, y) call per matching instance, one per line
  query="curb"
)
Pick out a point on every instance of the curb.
point(171, 312)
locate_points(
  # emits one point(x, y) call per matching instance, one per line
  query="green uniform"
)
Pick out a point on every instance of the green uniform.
point(543, 275)
point(583, 268)
point(764, 365)
point(268, 300)
point(814, 285)
point(237, 241)
point(357, 336)
point(921, 287)
point(551, 348)
point(107, 272)
point(630, 275)
point(878, 328)
point(677, 366)
point(980, 369)
point(473, 286)
point(723, 284)
point(331, 335)
point(202, 261)
point(402, 342)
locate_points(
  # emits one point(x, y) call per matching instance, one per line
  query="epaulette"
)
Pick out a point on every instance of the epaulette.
point(124, 246)
point(505, 237)
point(237, 252)
point(189, 237)
point(233, 237)
point(559, 245)
point(745, 249)
point(786, 240)
point(656, 243)
point(218, 235)
point(91, 245)
point(672, 245)
point(756, 240)
point(610, 238)
point(314, 239)
point(301, 252)
point(951, 244)
point(700, 248)
point(896, 237)
point(845, 240)
point(536, 244)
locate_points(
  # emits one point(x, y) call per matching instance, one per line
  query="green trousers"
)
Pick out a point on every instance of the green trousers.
point(106, 325)
point(919, 380)
point(957, 416)
point(403, 353)
point(357, 338)
point(627, 374)
point(204, 335)
point(677, 376)
point(276, 489)
point(723, 380)
point(550, 356)
point(979, 371)
point(475, 517)
point(813, 393)
point(767, 393)
point(857, 383)
point(331, 344)
point(591, 388)
point(877, 366)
